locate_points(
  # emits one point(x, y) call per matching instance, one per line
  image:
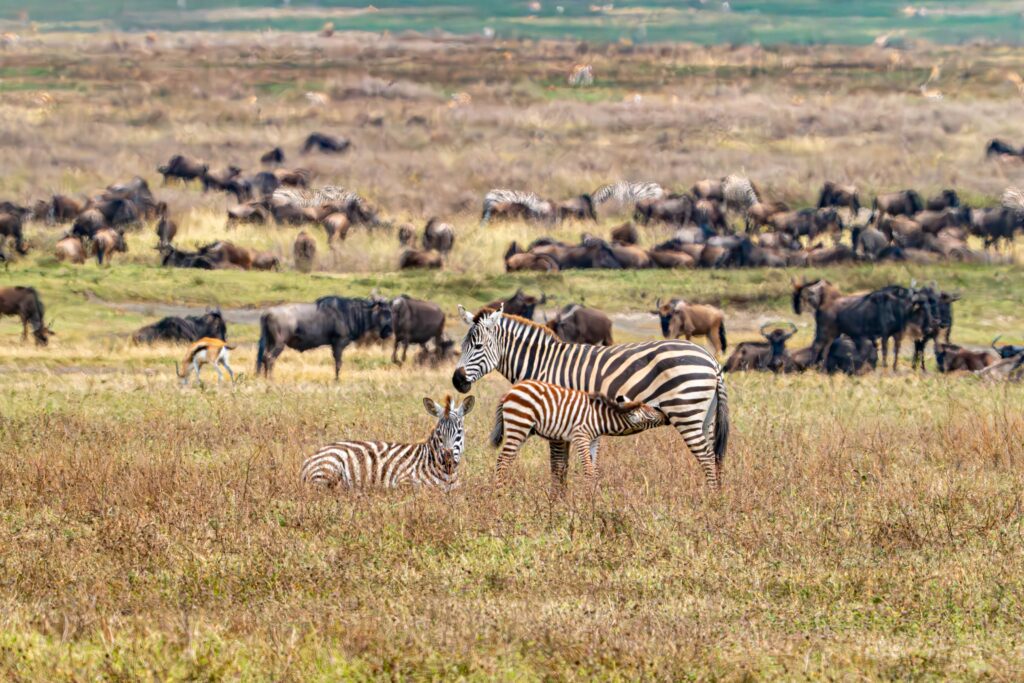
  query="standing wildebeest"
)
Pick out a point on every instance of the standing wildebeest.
point(183, 168)
point(947, 199)
point(331, 321)
point(939, 323)
point(190, 328)
point(579, 325)
point(166, 229)
point(11, 225)
point(106, 242)
point(807, 222)
point(64, 209)
point(415, 322)
point(679, 318)
point(336, 225)
point(25, 303)
point(995, 224)
point(834, 194)
point(519, 304)
point(905, 203)
point(675, 209)
point(438, 236)
point(304, 251)
point(1001, 148)
point(274, 156)
point(581, 208)
point(325, 143)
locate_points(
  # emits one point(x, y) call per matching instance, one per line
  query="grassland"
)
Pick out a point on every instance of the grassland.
point(869, 528)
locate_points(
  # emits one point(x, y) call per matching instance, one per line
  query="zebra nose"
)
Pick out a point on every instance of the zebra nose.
point(460, 381)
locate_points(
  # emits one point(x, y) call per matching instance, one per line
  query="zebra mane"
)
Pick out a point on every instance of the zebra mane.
point(622, 408)
point(529, 323)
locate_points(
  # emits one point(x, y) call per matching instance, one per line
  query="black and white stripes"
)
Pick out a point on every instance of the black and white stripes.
point(627, 192)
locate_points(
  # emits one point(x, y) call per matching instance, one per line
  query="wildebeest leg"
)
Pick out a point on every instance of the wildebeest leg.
point(338, 347)
point(394, 353)
point(559, 465)
point(271, 358)
point(885, 352)
point(896, 341)
point(24, 328)
point(405, 349)
point(918, 354)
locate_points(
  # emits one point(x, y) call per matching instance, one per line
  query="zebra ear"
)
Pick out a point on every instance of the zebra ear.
point(493, 318)
point(432, 407)
point(466, 316)
point(467, 405)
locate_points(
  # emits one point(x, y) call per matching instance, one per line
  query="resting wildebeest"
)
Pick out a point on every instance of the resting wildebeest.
point(438, 236)
point(625, 234)
point(834, 194)
point(304, 252)
point(11, 225)
point(807, 222)
point(25, 303)
point(418, 258)
point(183, 168)
point(520, 304)
point(679, 318)
point(176, 258)
point(851, 357)
point(1006, 350)
point(1001, 148)
point(274, 156)
point(325, 143)
point(190, 328)
point(905, 203)
point(951, 358)
point(759, 214)
point(415, 322)
point(770, 354)
point(330, 321)
point(579, 325)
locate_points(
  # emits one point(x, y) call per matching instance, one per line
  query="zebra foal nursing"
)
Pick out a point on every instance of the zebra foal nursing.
point(433, 462)
point(575, 419)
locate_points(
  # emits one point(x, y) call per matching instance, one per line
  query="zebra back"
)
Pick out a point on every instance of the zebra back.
point(315, 197)
point(628, 192)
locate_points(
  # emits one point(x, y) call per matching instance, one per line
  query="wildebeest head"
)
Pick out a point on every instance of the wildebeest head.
point(1007, 350)
point(665, 312)
point(777, 339)
point(381, 318)
point(808, 294)
point(480, 349)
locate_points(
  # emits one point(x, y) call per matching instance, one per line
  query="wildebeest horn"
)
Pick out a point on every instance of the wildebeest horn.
point(657, 302)
point(998, 337)
point(543, 297)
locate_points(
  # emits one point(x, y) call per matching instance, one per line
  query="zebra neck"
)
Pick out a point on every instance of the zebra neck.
point(431, 462)
point(525, 350)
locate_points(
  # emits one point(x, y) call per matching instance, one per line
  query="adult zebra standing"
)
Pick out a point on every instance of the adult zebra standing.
point(679, 378)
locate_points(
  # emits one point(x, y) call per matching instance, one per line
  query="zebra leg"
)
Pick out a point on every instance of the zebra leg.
point(509, 452)
point(583, 446)
point(559, 465)
point(698, 431)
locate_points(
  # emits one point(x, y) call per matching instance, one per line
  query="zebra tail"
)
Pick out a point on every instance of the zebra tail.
point(721, 336)
point(498, 432)
point(721, 422)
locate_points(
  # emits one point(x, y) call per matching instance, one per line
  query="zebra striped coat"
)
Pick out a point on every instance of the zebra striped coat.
point(627, 192)
point(315, 197)
point(433, 462)
point(565, 415)
point(679, 378)
point(534, 206)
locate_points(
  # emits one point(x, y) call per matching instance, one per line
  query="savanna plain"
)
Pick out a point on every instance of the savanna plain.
point(869, 528)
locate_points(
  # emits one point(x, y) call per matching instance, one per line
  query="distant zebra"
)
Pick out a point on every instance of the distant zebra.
point(575, 418)
point(739, 193)
point(627, 192)
point(516, 204)
point(678, 378)
point(434, 462)
point(357, 209)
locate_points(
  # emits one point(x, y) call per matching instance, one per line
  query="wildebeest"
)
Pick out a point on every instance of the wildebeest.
point(415, 322)
point(190, 328)
point(176, 258)
point(807, 222)
point(336, 225)
point(184, 168)
point(923, 328)
point(851, 357)
point(947, 199)
point(625, 234)
point(951, 358)
point(225, 253)
point(438, 236)
point(325, 143)
point(64, 209)
point(577, 324)
point(330, 321)
point(25, 303)
point(520, 304)
point(1001, 148)
point(265, 260)
point(418, 258)
point(905, 203)
point(995, 224)
point(1006, 350)
point(779, 359)
point(107, 241)
point(253, 211)
point(759, 214)
point(70, 248)
point(304, 251)
point(834, 194)
point(516, 260)
point(770, 354)
point(166, 229)
point(11, 226)
point(580, 208)
point(675, 209)
point(679, 318)
point(274, 156)
point(708, 189)
point(708, 214)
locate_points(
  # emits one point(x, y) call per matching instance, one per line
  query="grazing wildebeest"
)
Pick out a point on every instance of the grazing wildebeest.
point(11, 225)
point(520, 304)
point(325, 143)
point(107, 241)
point(834, 194)
point(183, 168)
point(679, 318)
point(905, 203)
point(331, 321)
point(851, 357)
point(438, 236)
point(190, 328)
point(951, 358)
point(70, 248)
point(274, 156)
point(415, 322)
point(1001, 148)
point(579, 325)
point(176, 258)
point(675, 209)
point(304, 251)
point(25, 303)
point(947, 199)
point(417, 258)
point(580, 208)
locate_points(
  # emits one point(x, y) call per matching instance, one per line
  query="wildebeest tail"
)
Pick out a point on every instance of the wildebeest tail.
point(498, 432)
point(262, 347)
point(721, 422)
point(721, 336)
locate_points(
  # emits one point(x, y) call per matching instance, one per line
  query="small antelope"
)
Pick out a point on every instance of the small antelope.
point(206, 351)
point(434, 462)
point(567, 418)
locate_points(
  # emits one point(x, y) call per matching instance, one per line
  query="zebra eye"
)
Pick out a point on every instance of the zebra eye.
point(477, 346)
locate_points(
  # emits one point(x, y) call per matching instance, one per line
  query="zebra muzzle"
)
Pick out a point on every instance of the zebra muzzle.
point(461, 382)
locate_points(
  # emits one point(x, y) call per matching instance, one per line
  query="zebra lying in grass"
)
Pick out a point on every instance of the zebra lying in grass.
point(433, 462)
point(575, 418)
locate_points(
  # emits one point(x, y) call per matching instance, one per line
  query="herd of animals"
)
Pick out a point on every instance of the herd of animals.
point(571, 383)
